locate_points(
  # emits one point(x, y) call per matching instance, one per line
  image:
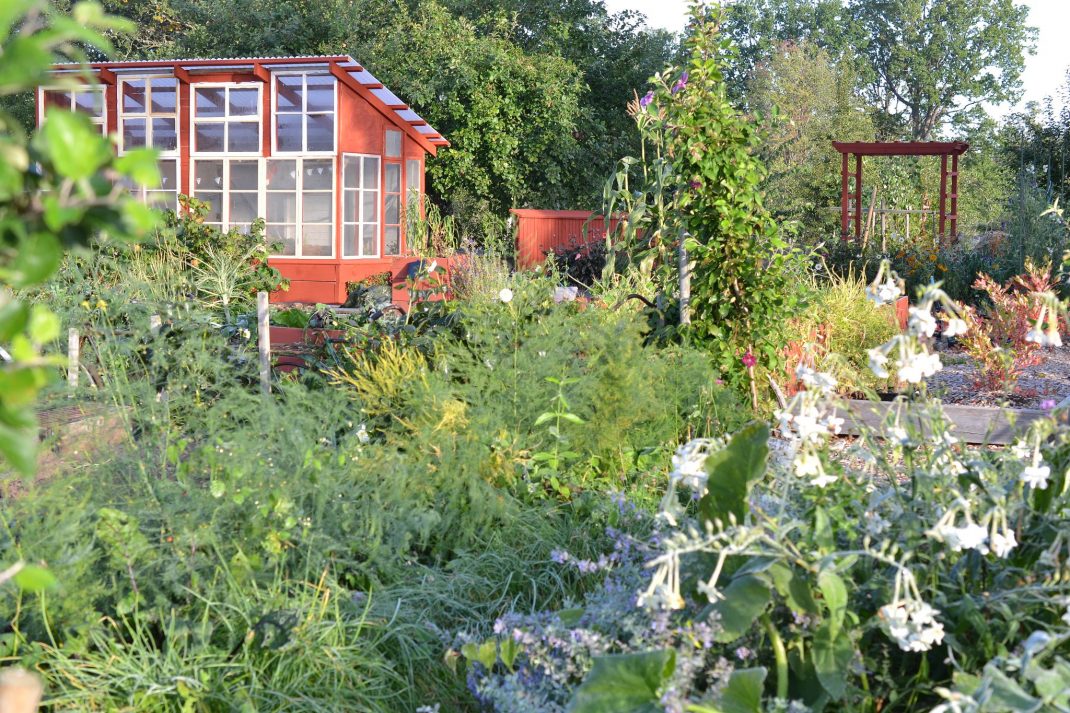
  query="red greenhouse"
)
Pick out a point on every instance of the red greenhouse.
point(316, 146)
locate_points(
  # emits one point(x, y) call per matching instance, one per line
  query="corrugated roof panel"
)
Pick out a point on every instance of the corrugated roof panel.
point(425, 129)
point(387, 97)
point(364, 77)
point(408, 115)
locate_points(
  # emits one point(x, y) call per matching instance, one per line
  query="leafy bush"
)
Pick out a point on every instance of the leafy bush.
point(999, 336)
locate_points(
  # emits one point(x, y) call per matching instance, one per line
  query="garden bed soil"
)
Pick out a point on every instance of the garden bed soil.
point(1050, 380)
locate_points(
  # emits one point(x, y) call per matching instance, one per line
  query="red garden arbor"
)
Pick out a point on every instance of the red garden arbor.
point(943, 149)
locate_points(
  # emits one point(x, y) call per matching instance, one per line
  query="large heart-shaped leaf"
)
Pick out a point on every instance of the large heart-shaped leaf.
point(744, 601)
point(732, 471)
point(625, 683)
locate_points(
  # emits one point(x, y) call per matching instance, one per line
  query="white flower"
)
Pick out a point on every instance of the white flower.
point(955, 327)
point(918, 366)
point(821, 381)
point(362, 434)
point(1036, 476)
point(432, 267)
point(877, 362)
point(885, 292)
point(912, 624)
point(1003, 543)
point(1054, 339)
point(921, 321)
point(1037, 336)
point(689, 464)
point(969, 537)
point(954, 702)
point(506, 295)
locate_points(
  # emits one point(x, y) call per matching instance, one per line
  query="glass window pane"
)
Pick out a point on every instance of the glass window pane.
point(134, 96)
point(281, 208)
point(208, 176)
point(370, 247)
point(284, 235)
point(320, 94)
point(56, 98)
point(209, 101)
point(168, 174)
point(321, 132)
point(164, 134)
point(89, 101)
point(316, 208)
point(288, 132)
point(349, 241)
point(215, 206)
point(243, 136)
point(243, 208)
point(351, 172)
point(244, 175)
point(371, 207)
point(371, 173)
point(161, 200)
point(316, 240)
point(282, 175)
point(393, 178)
point(288, 93)
point(164, 95)
point(133, 133)
point(393, 210)
point(392, 242)
point(318, 174)
point(393, 143)
point(412, 174)
point(350, 206)
point(243, 102)
point(208, 137)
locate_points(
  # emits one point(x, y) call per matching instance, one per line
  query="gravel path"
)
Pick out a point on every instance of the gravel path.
point(1048, 380)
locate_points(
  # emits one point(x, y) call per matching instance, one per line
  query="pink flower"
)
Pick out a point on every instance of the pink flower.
point(695, 185)
point(748, 360)
point(1048, 404)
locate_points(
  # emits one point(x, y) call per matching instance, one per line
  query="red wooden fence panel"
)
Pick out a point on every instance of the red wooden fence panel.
point(542, 231)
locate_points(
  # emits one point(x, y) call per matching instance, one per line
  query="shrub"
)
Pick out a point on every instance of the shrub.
point(998, 338)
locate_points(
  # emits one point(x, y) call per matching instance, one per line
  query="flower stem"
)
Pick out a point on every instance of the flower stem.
point(781, 655)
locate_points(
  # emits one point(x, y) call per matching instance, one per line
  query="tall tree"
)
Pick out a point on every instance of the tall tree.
point(935, 58)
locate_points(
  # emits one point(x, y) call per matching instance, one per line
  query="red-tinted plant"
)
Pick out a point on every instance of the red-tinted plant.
point(996, 338)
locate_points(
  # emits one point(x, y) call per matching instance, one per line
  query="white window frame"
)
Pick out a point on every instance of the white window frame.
point(360, 223)
point(304, 114)
point(262, 195)
point(141, 193)
point(226, 119)
point(102, 122)
point(148, 115)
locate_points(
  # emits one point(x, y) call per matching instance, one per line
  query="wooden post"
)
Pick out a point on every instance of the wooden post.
point(858, 195)
point(954, 197)
point(908, 223)
point(685, 284)
point(943, 194)
point(884, 229)
point(843, 198)
point(154, 324)
point(73, 347)
point(263, 328)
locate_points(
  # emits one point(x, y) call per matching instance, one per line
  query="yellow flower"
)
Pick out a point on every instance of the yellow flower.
point(941, 267)
point(102, 305)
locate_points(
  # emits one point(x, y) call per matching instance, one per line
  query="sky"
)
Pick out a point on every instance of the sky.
point(1045, 72)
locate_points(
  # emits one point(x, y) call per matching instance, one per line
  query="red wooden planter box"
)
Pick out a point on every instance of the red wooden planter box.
point(283, 336)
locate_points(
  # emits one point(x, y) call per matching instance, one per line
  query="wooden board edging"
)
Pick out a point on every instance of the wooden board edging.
point(970, 424)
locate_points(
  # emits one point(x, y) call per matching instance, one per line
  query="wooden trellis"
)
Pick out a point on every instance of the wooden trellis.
point(943, 149)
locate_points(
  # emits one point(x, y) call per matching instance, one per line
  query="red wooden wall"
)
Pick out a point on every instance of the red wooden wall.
point(542, 231)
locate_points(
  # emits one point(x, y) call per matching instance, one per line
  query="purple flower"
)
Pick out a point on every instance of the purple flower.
point(646, 100)
point(681, 83)
point(1047, 404)
point(749, 360)
point(695, 185)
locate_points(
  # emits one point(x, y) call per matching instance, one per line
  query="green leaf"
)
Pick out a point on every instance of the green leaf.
point(832, 659)
point(18, 446)
point(36, 259)
point(823, 536)
point(1007, 695)
point(140, 165)
point(744, 601)
point(32, 578)
point(508, 651)
point(75, 146)
point(485, 653)
point(835, 593)
point(625, 683)
point(743, 694)
point(44, 325)
point(732, 471)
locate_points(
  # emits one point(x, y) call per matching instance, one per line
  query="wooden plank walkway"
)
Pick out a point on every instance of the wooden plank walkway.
point(970, 424)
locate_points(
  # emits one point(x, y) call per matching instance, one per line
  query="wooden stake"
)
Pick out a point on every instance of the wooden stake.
point(685, 284)
point(73, 346)
point(263, 328)
point(154, 324)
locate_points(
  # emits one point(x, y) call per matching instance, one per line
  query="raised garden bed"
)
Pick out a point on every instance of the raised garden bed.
point(970, 424)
